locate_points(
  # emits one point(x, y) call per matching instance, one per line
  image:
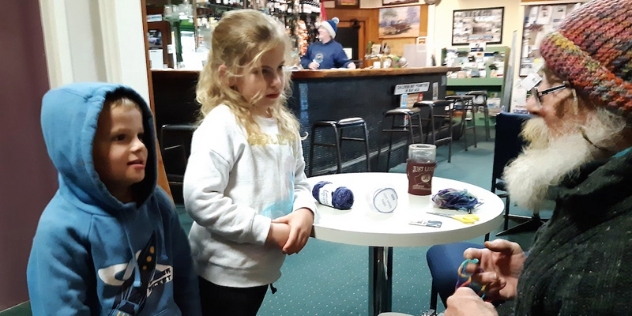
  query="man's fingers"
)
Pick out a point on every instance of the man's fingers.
point(504, 246)
point(485, 278)
point(473, 253)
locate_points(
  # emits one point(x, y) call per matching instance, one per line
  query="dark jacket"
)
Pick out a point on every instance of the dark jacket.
point(331, 54)
point(581, 260)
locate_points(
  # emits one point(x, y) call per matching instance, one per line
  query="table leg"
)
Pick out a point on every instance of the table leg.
point(380, 280)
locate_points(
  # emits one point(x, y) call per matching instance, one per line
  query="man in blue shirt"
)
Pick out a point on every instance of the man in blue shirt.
point(327, 53)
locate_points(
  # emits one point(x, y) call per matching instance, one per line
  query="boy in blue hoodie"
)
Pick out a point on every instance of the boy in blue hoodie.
point(109, 242)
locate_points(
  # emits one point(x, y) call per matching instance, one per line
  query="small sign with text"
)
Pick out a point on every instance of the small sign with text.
point(411, 88)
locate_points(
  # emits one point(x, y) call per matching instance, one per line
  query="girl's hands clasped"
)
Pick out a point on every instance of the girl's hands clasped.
point(300, 222)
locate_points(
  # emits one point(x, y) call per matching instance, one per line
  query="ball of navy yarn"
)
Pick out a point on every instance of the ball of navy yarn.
point(342, 197)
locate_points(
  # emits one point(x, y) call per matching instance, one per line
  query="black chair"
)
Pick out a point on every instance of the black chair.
point(508, 144)
point(175, 143)
point(337, 127)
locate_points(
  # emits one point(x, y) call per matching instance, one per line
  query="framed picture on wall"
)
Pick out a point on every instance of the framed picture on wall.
point(399, 22)
point(477, 25)
point(348, 4)
point(396, 2)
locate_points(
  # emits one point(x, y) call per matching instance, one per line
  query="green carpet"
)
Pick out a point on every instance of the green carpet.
point(332, 279)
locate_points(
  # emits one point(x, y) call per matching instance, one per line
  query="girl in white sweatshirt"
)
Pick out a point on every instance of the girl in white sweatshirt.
point(245, 184)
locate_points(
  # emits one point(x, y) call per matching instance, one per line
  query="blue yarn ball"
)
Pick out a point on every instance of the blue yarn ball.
point(342, 197)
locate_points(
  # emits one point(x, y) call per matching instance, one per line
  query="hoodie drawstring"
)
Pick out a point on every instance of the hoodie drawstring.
point(137, 282)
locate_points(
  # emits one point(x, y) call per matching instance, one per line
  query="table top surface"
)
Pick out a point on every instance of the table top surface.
point(364, 226)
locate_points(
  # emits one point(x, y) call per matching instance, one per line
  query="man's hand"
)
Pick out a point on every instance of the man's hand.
point(300, 222)
point(464, 302)
point(351, 65)
point(313, 65)
point(502, 263)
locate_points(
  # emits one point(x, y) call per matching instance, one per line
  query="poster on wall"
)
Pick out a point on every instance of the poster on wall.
point(399, 22)
point(477, 25)
point(539, 21)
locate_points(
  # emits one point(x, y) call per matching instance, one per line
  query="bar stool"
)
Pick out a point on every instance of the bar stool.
point(463, 105)
point(480, 101)
point(439, 122)
point(338, 127)
point(402, 122)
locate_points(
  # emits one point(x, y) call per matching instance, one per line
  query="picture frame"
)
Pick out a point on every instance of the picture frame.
point(477, 25)
point(348, 4)
point(399, 22)
point(398, 2)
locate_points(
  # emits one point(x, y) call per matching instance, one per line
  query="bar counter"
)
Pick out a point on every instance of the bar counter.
point(316, 95)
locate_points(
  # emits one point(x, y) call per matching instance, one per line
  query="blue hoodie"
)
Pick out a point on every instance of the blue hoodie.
point(92, 254)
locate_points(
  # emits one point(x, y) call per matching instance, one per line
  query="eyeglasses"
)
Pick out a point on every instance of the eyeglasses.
point(538, 95)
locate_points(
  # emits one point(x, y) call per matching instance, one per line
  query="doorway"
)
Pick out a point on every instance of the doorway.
point(351, 35)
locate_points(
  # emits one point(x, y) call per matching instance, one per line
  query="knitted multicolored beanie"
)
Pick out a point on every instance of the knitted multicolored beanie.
point(592, 50)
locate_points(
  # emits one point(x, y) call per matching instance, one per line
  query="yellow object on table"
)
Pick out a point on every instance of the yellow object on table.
point(465, 219)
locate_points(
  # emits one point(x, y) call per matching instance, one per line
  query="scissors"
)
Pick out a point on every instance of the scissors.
point(465, 219)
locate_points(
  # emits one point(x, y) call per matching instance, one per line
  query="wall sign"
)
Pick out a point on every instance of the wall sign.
point(411, 88)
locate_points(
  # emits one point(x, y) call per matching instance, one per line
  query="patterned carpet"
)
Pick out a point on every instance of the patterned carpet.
point(332, 279)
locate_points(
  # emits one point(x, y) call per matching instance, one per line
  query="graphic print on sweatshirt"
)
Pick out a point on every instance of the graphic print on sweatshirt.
point(130, 299)
point(285, 200)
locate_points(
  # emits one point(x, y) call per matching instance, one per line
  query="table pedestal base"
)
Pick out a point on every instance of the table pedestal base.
point(380, 280)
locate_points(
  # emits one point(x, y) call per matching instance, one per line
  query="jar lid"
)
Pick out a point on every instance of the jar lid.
point(385, 200)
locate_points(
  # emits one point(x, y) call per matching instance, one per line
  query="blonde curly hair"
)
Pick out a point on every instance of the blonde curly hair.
point(239, 41)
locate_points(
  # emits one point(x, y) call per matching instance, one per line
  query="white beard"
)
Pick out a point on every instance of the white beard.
point(549, 158)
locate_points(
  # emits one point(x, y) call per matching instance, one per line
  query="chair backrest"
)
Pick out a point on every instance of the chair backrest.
point(508, 143)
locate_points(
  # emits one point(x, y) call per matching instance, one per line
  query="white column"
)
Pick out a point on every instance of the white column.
point(89, 40)
point(430, 38)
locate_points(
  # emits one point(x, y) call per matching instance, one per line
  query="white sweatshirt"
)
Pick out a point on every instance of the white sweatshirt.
point(232, 190)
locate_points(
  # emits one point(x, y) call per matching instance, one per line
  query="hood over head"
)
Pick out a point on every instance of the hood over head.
point(69, 122)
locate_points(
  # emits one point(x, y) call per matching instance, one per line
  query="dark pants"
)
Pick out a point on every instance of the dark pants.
point(221, 300)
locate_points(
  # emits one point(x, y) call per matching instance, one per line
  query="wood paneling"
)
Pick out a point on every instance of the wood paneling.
point(370, 17)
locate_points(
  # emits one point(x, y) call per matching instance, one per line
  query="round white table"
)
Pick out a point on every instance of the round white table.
point(364, 226)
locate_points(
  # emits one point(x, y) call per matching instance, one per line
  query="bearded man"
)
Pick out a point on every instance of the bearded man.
point(580, 136)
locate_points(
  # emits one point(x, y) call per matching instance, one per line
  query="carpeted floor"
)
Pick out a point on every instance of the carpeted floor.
point(332, 279)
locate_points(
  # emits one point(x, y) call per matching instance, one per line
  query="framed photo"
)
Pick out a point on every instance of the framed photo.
point(477, 26)
point(396, 2)
point(348, 4)
point(399, 22)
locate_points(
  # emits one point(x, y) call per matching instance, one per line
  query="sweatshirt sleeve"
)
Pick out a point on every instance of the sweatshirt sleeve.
point(302, 190)
point(215, 148)
point(307, 58)
point(340, 57)
point(58, 274)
